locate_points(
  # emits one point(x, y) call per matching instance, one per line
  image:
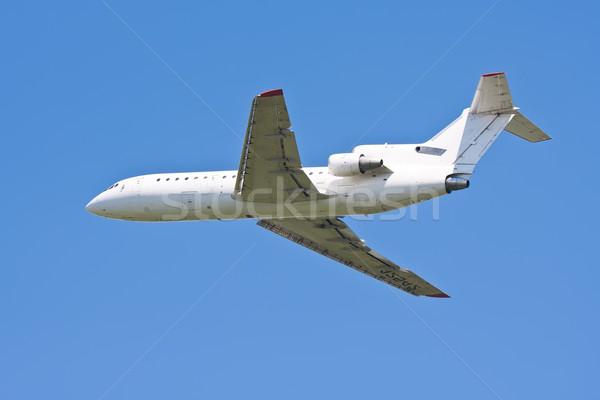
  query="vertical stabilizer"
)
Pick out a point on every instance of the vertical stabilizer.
point(492, 95)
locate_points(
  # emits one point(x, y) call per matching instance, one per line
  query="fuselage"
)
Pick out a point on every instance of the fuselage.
point(211, 195)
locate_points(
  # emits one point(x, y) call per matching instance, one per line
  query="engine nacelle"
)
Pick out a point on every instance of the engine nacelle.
point(456, 183)
point(348, 164)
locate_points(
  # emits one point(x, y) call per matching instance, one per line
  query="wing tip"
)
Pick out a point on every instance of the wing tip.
point(492, 74)
point(270, 93)
point(439, 295)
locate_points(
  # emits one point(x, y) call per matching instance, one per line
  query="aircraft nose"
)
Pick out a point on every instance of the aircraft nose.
point(93, 206)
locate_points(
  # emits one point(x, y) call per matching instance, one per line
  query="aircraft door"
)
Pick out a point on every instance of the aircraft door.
point(136, 185)
point(207, 198)
point(212, 184)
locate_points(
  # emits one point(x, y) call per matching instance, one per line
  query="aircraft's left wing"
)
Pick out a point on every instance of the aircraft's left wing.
point(270, 169)
point(334, 239)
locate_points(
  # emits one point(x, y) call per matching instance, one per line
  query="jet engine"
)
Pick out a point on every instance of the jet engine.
point(348, 164)
point(456, 183)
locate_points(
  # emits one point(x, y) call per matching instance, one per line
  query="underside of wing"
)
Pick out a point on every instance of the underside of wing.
point(270, 169)
point(334, 239)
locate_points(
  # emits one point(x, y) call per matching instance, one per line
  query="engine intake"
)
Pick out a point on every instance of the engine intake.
point(349, 164)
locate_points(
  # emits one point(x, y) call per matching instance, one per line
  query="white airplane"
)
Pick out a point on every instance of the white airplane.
point(305, 205)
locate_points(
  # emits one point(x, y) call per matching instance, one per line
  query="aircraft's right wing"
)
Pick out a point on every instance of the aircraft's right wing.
point(334, 239)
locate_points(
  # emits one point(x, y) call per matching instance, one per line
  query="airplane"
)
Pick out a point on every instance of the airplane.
point(305, 205)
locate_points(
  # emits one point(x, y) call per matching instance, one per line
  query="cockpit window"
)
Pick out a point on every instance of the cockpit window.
point(112, 186)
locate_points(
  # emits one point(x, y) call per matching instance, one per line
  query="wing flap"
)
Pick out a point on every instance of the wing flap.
point(334, 239)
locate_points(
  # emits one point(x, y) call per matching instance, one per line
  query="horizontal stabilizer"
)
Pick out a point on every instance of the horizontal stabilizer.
point(524, 128)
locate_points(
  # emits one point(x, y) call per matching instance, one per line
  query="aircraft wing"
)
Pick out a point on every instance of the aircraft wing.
point(270, 169)
point(334, 239)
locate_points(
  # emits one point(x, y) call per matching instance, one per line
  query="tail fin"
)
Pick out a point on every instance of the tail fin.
point(468, 138)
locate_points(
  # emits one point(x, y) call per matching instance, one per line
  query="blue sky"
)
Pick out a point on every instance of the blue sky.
point(84, 103)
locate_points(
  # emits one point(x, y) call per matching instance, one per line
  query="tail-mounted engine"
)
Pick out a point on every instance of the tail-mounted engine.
point(456, 182)
point(348, 164)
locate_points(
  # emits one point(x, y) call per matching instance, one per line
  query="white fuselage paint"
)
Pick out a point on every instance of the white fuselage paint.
point(210, 195)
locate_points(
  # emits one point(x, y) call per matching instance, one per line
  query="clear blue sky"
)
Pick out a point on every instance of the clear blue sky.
point(83, 104)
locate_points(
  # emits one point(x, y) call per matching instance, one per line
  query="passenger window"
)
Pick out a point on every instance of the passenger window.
point(158, 180)
point(168, 178)
point(186, 178)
